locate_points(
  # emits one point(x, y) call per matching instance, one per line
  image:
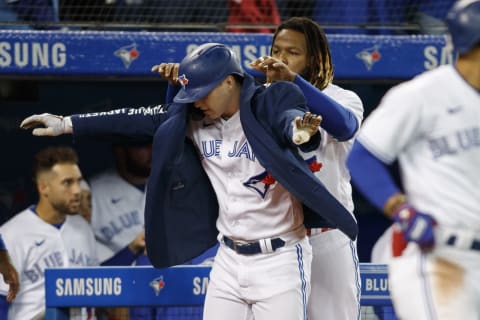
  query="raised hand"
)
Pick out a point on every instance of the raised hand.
point(168, 71)
point(274, 69)
point(306, 127)
point(50, 124)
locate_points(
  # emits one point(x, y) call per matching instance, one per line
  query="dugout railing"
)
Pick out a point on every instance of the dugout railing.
point(182, 286)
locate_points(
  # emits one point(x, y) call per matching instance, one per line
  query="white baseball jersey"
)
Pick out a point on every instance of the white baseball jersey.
point(34, 246)
point(117, 211)
point(432, 125)
point(335, 268)
point(249, 209)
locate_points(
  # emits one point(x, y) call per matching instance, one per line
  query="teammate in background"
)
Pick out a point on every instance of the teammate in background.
point(49, 234)
point(124, 257)
point(118, 198)
point(9, 274)
point(300, 53)
point(247, 136)
point(431, 124)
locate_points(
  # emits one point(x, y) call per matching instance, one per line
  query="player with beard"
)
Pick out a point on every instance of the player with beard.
point(301, 54)
point(48, 234)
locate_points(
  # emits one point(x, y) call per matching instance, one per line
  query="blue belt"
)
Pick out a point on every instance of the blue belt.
point(475, 245)
point(251, 247)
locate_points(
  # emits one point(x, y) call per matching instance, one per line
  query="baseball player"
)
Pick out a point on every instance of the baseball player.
point(9, 274)
point(118, 197)
point(300, 53)
point(247, 137)
point(48, 234)
point(431, 124)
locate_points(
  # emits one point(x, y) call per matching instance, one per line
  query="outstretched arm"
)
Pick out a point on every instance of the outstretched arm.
point(126, 123)
point(339, 121)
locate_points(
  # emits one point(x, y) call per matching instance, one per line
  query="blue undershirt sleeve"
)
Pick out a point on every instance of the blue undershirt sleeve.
point(124, 257)
point(338, 121)
point(3, 307)
point(371, 176)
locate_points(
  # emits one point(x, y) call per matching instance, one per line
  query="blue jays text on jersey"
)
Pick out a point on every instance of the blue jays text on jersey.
point(124, 221)
point(458, 141)
point(37, 271)
point(211, 148)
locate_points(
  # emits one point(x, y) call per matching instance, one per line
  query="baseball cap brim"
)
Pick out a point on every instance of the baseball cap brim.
point(191, 95)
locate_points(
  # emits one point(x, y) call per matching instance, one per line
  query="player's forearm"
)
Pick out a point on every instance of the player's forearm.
point(372, 179)
point(138, 123)
point(337, 120)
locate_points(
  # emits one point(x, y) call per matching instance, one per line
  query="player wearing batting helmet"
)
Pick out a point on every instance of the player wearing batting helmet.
point(225, 155)
point(431, 124)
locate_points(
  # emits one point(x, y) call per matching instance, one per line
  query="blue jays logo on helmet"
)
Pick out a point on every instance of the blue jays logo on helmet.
point(183, 80)
point(204, 68)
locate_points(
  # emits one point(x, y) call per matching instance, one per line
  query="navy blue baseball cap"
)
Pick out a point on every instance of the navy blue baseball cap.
point(203, 69)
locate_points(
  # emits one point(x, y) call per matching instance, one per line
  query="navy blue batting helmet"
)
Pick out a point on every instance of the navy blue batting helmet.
point(463, 21)
point(203, 69)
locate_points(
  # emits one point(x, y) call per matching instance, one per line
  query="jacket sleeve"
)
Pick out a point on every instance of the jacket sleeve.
point(289, 103)
point(121, 124)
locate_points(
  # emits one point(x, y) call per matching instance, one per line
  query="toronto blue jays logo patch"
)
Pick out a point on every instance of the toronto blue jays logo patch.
point(157, 285)
point(260, 183)
point(369, 56)
point(183, 80)
point(127, 54)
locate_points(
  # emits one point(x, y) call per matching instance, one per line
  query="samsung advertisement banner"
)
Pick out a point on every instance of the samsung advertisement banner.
point(132, 54)
point(147, 286)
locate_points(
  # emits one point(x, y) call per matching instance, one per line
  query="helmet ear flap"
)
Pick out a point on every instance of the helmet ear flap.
point(203, 69)
point(463, 21)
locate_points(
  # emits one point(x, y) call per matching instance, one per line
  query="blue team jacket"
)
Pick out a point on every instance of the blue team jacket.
point(181, 206)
